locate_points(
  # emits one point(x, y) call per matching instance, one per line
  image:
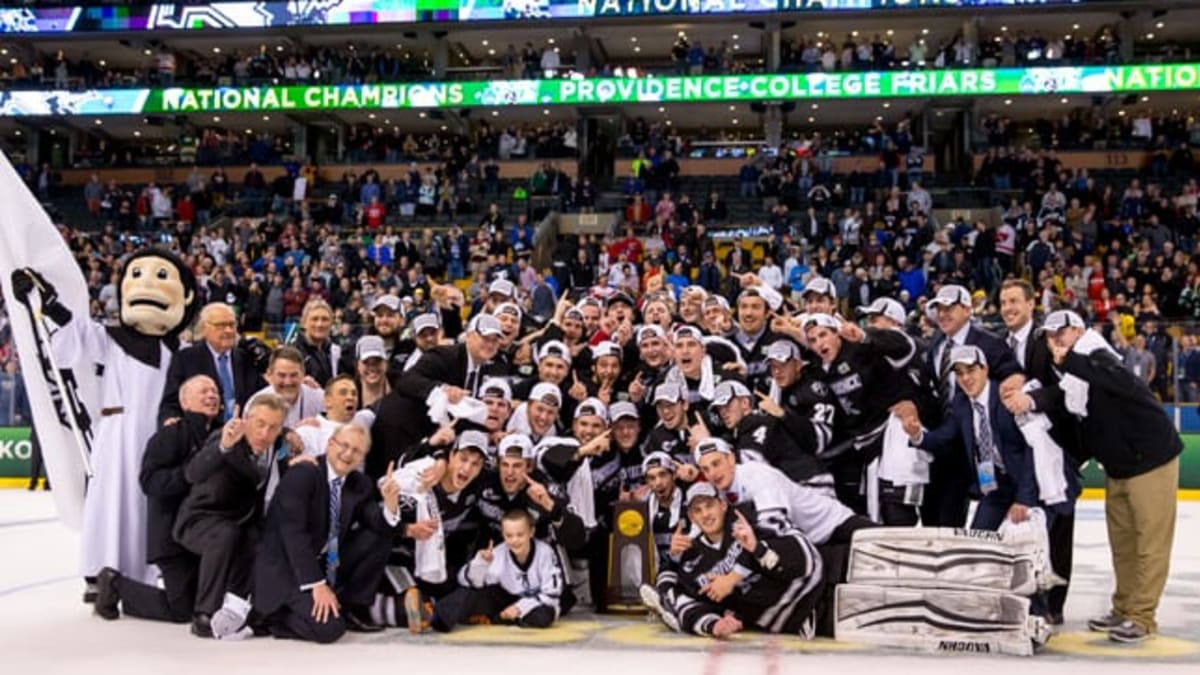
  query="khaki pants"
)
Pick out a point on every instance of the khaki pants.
point(1141, 528)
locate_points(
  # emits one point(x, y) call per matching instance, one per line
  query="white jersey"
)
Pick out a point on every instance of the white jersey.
point(781, 505)
point(538, 582)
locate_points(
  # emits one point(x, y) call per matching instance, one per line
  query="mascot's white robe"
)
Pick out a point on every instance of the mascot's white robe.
point(114, 510)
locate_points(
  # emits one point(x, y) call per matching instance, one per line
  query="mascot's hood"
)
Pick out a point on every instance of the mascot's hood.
point(144, 347)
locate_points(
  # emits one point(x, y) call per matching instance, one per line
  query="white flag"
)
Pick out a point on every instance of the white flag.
point(63, 404)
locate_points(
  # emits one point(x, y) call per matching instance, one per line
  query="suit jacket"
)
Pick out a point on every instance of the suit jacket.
point(162, 479)
point(1001, 360)
point(1039, 365)
point(198, 360)
point(956, 435)
point(402, 418)
point(291, 551)
point(225, 485)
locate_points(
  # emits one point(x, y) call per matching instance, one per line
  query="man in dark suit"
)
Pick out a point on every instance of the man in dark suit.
point(1017, 302)
point(325, 544)
point(163, 481)
point(219, 519)
point(950, 477)
point(459, 370)
point(981, 429)
point(217, 356)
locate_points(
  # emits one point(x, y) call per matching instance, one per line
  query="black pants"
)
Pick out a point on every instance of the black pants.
point(597, 555)
point(1062, 545)
point(892, 509)
point(37, 466)
point(174, 602)
point(946, 499)
point(226, 551)
point(294, 621)
point(453, 609)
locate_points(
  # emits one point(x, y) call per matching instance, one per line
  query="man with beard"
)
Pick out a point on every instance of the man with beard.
point(785, 439)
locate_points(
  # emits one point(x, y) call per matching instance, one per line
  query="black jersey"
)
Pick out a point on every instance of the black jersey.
point(782, 581)
point(558, 525)
point(866, 379)
point(665, 518)
point(612, 472)
point(674, 442)
point(790, 444)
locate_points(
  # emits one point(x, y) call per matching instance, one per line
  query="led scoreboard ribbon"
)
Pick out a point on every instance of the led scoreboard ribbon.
point(278, 13)
point(697, 89)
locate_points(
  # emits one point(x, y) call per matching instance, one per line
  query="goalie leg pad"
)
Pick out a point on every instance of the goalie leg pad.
point(941, 558)
point(936, 620)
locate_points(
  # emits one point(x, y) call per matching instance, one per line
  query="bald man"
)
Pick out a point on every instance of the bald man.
point(163, 482)
point(216, 355)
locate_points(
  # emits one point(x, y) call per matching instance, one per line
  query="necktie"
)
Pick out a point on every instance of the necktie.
point(731, 497)
point(331, 544)
point(986, 446)
point(473, 381)
point(1015, 345)
point(944, 372)
point(227, 393)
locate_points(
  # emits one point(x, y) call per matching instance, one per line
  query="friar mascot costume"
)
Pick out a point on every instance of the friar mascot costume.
point(157, 296)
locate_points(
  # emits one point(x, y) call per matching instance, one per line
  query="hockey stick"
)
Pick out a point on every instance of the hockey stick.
point(66, 401)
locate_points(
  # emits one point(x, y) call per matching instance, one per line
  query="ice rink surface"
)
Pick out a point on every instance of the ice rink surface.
point(44, 628)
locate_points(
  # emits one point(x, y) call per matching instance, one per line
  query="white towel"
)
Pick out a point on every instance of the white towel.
point(1033, 538)
point(1047, 457)
point(1090, 341)
point(441, 409)
point(1075, 394)
point(708, 383)
point(676, 502)
point(430, 554)
point(900, 462)
point(583, 499)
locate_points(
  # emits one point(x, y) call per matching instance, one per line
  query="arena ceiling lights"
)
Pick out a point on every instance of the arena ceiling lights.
point(1133, 79)
point(276, 13)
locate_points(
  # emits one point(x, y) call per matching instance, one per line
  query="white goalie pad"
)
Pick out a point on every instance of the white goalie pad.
point(948, 558)
point(935, 620)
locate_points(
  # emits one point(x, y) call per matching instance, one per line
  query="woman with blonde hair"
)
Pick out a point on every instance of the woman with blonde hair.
point(321, 354)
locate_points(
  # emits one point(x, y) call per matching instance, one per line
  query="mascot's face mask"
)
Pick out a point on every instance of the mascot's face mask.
point(154, 298)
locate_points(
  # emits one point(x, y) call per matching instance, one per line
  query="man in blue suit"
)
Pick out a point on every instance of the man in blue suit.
point(978, 426)
point(946, 501)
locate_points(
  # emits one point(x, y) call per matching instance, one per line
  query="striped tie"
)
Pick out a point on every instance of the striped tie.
point(331, 544)
point(945, 388)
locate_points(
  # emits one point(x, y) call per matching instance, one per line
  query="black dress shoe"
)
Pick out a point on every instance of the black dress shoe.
point(107, 595)
point(359, 620)
point(201, 626)
point(89, 590)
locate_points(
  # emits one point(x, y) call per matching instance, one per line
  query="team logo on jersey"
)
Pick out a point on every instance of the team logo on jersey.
point(820, 389)
point(843, 368)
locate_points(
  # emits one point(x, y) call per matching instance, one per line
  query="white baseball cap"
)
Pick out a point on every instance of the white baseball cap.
point(516, 445)
point(546, 393)
point(623, 410)
point(593, 407)
point(486, 325)
point(701, 490)
point(820, 286)
point(659, 459)
point(650, 330)
point(606, 348)
point(823, 320)
point(473, 439)
point(425, 322)
point(386, 302)
point(370, 347)
point(1063, 318)
point(783, 351)
point(556, 349)
point(952, 294)
point(502, 287)
point(495, 387)
point(727, 391)
point(885, 307)
point(669, 392)
point(969, 355)
point(711, 445)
